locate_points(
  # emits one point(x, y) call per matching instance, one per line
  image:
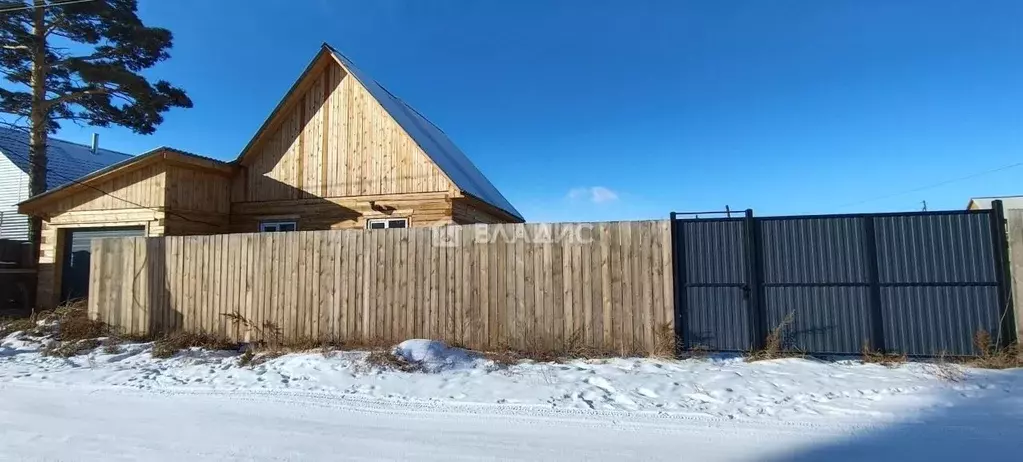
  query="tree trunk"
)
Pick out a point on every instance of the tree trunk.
point(39, 123)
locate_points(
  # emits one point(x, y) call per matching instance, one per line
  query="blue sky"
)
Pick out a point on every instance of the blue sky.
point(599, 110)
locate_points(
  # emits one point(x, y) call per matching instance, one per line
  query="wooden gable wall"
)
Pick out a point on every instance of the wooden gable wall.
point(333, 139)
point(142, 187)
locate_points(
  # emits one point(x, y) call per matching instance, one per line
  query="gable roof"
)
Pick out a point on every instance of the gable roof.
point(430, 138)
point(441, 150)
point(132, 163)
point(65, 161)
point(984, 203)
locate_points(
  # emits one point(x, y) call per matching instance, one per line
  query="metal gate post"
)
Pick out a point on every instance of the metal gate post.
point(1007, 326)
point(877, 342)
point(754, 282)
point(678, 269)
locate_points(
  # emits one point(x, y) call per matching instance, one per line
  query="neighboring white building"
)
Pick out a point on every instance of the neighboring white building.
point(67, 162)
point(984, 203)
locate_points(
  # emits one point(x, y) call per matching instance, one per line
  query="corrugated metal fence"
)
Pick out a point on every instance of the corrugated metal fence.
point(915, 283)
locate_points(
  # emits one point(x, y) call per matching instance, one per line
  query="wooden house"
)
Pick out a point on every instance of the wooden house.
point(339, 151)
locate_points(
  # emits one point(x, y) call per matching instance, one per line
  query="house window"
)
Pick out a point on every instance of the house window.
point(277, 226)
point(385, 223)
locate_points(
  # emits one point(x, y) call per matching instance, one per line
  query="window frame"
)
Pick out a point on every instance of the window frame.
point(387, 222)
point(263, 225)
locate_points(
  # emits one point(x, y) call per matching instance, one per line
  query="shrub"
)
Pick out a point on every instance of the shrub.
point(172, 343)
point(993, 356)
point(69, 348)
point(774, 344)
point(871, 356)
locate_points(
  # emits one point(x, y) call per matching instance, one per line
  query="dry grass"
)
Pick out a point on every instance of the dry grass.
point(871, 356)
point(993, 356)
point(387, 360)
point(946, 370)
point(69, 348)
point(664, 342)
point(10, 326)
point(775, 343)
point(172, 343)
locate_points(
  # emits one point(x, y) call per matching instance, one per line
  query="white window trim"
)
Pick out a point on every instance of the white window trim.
point(276, 223)
point(386, 222)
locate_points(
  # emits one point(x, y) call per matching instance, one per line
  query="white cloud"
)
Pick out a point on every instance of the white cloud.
point(594, 194)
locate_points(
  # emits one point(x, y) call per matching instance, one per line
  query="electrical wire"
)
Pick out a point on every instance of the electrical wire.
point(931, 186)
point(45, 5)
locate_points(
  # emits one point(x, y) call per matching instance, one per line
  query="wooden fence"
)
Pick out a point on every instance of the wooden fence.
point(599, 285)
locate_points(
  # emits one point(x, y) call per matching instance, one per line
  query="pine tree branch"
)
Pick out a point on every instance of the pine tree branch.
point(70, 97)
point(15, 47)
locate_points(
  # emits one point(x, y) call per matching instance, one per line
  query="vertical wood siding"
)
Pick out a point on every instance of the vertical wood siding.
point(334, 140)
point(604, 286)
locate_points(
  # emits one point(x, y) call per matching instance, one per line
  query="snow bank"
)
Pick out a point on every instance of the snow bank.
point(435, 356)
point(729, 388)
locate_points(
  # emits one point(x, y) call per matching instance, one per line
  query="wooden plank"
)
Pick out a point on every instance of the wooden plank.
point(605, 286)
point(220, 281)
point(378, 288)
point(628, 288)
point(482, 246)
point(548, 289)
point(667, 275)
point(321, 293)
point(470, 290)
point(295, 288)
point(569, 288)
point(596, 276)
point(511, 326)
point(455, 283)
point(129, 295)
point(365, 280)
point(411, 281)
point(528, 289)
point(305, 314)
point(656, 279)
point(646, 278)
point(433, 315)
point(333, 242)
point(343, 282)
point(400, 287)
point(586, 292)
point(557, 287)
point(615, 262)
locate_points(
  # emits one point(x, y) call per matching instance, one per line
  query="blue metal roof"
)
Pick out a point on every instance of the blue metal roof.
point(65, 161)
point(432, 140)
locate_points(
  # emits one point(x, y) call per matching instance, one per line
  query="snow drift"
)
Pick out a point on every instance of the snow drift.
point(435, 356)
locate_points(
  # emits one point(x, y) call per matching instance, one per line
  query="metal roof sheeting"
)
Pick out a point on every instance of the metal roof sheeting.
point(441, 150)
point(66, 161)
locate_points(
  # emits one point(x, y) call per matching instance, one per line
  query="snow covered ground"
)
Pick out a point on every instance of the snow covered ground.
point(309, 407)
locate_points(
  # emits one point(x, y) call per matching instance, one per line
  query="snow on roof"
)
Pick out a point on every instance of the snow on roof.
point(441, 150)
point(66, 161)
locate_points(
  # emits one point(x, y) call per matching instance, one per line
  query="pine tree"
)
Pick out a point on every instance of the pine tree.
point(80, 61)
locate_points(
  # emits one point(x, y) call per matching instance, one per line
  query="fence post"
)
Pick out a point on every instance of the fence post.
point(678, 274)
point(754, 284)
point(877, 342)
point(1007, 326)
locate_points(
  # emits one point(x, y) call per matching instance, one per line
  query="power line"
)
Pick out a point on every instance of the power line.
point(931, 186)
point(46, 5)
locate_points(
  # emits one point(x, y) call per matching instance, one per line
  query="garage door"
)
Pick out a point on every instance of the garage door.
point(75, 278)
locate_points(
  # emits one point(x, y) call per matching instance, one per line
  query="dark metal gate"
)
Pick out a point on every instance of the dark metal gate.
point(916, 283)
